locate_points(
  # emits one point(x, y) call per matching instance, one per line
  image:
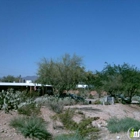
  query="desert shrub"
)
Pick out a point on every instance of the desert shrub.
point(136, 98)
point(11, 99)
point(97, 102)
point(29, 109)
point(83, 92)
point(33, 94)
point(68, 101)
point(90, 96)
point(18, 122)
point(41, 100)
point(66, 119)
point(116, 125)
point(84, 127)
point(54, 103)
point(71, 136)
point(87, 123)
point(31, 127)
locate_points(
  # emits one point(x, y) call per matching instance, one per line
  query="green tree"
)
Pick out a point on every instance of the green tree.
point(63, 73)
point(89, 78)
point(116, 79)
point(10, 78)
point(130, 80)
point(110, 79)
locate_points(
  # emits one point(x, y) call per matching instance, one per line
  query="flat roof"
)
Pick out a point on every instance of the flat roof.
point(20, 84)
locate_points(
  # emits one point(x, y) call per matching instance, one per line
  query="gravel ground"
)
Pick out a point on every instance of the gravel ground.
point(102, 111)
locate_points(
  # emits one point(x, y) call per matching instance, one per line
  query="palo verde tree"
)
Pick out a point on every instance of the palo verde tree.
point(63, 73)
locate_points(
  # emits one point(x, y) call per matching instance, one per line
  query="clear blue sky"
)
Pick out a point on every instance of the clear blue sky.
point(98, 30)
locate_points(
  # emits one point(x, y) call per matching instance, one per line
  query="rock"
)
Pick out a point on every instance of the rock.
point(99, 123)
point(99, 126)
point(118, 137)
point(58, 125)
point(2, 131)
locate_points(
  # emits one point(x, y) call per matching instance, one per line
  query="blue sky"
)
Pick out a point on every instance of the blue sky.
point(98, 30)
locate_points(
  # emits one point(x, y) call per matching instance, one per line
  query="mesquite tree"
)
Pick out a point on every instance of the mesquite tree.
point(63, 73)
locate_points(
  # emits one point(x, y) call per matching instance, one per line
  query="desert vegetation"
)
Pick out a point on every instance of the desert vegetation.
point(116, 125)
point(119, 81)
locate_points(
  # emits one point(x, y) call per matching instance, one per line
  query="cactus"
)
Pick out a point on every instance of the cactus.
point(9, 100)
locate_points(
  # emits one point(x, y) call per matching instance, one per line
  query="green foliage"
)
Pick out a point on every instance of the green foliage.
point(136, 98)
point(84, 128)
point(68, 101)
point(66, 119)
point(54, 103)
point(26, 95)
point(97, 102)
point(18, 122)
point(31, 127)
point(82, 93)
point(10, 78)
point(9, 100)
point(119, 79)
point(89, 79)
point(72, 136)
point(63, 74)
point(116, 125)
point(90, 96)
point(29, 109)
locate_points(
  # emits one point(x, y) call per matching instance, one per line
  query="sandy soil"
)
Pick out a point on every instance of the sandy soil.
point(102, 111)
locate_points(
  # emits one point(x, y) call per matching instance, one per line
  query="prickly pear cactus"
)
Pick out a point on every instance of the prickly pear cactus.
point(9, 100)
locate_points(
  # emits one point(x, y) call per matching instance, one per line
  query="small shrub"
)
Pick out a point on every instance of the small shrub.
point(91, 96)
point(66, 119)
point(87, 123)
point(84, 127)
point(29, 109)
point(54, 103)
point(97, 102)
point(18, 122)
point(41, 100)
point(72, 136)
point(136, 98)
point(31, 127)
point(33, 94)
point(116, 125)
point(68, 101)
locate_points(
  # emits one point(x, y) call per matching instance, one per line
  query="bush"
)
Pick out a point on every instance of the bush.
point(73, 136)
point(122, 125)
point(136, 98)
point(97, 102)
point(29, 109)
point(54, 103)
point(33, 94)
point(41, 100)
point(90, 96)
point(31, 127)
point(84, 128)
point(68, 101)
point(66, 119)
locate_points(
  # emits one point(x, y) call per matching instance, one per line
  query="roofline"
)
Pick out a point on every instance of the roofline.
point(21, 84)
